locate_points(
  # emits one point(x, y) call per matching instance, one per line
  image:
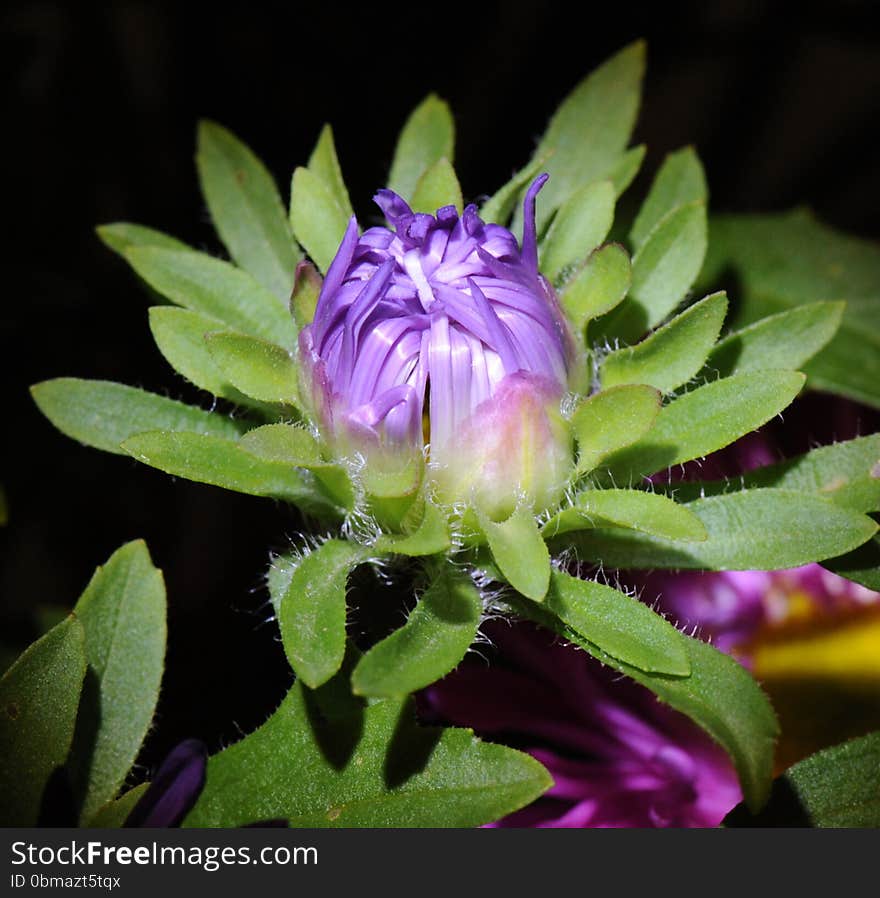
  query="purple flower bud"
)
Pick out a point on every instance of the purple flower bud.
point(444, 330)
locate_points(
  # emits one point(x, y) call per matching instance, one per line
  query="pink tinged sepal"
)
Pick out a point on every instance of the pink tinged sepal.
point(514, 447)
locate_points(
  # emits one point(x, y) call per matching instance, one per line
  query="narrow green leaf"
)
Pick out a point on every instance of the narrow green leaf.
point(122, 236)
point(590, 130)
point(437, 187)
point(258, 368)
point(499, 207)
point(672, 355)
point(520, 552)
point(719, 695)
point(317, 219)
point(123, 614)
point(760, 529)
point(431, 537)
point(246, 208)
point(224, 463)
point(843, 472)
point(862, 565)
point(214, 288)
point(180, 336)
point(427, 137)
point(39, 697)
point(836, 788)
point(707, 419)
point(324, 163)
point(580, 225)
point(618, 624)
point(435, 637)
point(103, 414)
point(611, 420)
point(632, 509)
point(679, 181)
point(598, 287)
point(624, 171)
point(306, 290)
point(114, 813)
point(312, 611)
point(785, 340)
point(374, 767)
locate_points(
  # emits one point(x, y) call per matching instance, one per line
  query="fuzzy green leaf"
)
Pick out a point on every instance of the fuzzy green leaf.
point(114, 813)
point(227, 464)
point(258, 368)
point(437, 187)
point(762, 529)
point(837, 788)
point(246, 208)
point(317, 219)
point(122, 236)
point(862, 565)
point(214, 288)
point(785, 340)
point(103, 414)
point(431, 537)
point(589, 131)
point(520, 552)
point(435, 637)
point(427, 137)
point(39, 697)
point(623, 172)
point(598, 287)
point(312, 610)
point(499, 207)
point(306, 290)
point(632, 509)
point(580, 225)
point(707, 419)
point(672, 355)
point(611, 420)
point(123, 614)
point(679, 181)
point(372, 767)
point(324, 163)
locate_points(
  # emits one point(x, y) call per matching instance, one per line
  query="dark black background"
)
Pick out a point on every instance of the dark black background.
point(100, 108)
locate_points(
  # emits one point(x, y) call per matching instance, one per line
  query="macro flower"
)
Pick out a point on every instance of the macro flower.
point(441, 332)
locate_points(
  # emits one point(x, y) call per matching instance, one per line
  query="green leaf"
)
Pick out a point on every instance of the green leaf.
point(499, 207)
point(623, 172)
point(788, 260)
point(679, 181)
point(862, 565)
point(437, 187)
point(719, 695)
point(431, 537)
point(580, 225)
point(246, 208)
point(180, 336)
point(324, 163)
point(103, 414)
point(845, 472)
point(520, 552)
point(435, 637)
point(598, 287)
point(306, 290)
point(122, 236)
point(618, 624)
point(632, 509)
point(312, 610)
point(427, 137)
point(214, 288)
point(114, 814)
point(611, 420)
point(123, 614)
point(672, 355)
point(836, 788)
point(258, 368)
point(317, 219)
point(590, 130)
point(762, 529)
point(706, 419)
point(224, 463)
point(373, 767)
point(39, 697)
point(785, 340)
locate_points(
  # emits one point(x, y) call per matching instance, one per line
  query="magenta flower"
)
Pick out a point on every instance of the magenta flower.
point(618, 757)
point(443, 330)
